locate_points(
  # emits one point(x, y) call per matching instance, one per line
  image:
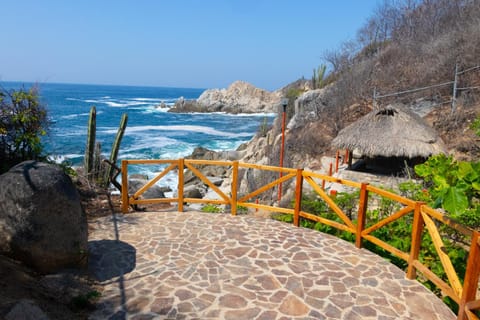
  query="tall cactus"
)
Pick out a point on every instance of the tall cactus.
point(97, 163)
point(90, 147)
point(116, 147)
point(318, 78)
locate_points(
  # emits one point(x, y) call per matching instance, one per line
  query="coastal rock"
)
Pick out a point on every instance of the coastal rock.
point(26, 310)
point(154, 192)
point(186, 106)
point(308, 108)
point(194, 191)
point(42, 222)
point(239, 97)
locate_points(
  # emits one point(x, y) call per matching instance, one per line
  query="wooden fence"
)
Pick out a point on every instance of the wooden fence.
point(425, 219)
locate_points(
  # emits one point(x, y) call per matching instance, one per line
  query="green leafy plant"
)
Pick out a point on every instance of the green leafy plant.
point(242, 210)
point(212, 208)
point(23, 121)
point(453, 185)
point(84, 301)
point(475, 126)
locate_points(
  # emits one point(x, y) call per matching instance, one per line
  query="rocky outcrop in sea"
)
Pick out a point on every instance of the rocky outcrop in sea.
point(239, 97)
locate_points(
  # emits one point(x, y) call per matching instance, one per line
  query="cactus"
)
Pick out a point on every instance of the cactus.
point(90, 147)
point(97, 163)
point(318, 79)
point(116, 147)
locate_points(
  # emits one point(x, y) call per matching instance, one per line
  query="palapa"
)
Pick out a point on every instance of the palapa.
point(392, 131)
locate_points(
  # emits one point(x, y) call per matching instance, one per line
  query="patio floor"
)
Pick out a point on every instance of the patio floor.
point(193, 265)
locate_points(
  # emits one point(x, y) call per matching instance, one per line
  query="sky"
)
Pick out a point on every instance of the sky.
point(173, 43)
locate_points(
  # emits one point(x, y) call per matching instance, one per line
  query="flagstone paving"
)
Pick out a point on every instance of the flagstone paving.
point(169, 265)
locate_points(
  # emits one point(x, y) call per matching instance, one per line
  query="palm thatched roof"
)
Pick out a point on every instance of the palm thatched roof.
point(392, 131)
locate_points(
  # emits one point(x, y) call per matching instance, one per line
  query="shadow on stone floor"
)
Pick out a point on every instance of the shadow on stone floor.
point(110, 258)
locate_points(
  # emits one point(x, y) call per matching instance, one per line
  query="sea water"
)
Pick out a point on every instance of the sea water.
point(152, 132)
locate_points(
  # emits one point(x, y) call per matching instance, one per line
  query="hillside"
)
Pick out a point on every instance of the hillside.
point(423, 54)
point(413, 52)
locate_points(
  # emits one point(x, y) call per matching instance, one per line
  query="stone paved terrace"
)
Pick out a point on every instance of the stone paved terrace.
point(195, 265)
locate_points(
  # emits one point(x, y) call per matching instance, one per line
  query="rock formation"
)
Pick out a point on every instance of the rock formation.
point(239, 97)
point(42, 222)
point(308, 107)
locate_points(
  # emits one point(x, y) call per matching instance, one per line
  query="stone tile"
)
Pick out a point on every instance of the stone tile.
point(293, 306)
point(246, 314)
point(232, 301)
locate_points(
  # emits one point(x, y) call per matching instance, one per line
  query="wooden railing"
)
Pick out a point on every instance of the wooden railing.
point(425, 219)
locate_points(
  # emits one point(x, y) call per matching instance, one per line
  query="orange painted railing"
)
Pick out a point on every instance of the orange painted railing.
point(425, 219)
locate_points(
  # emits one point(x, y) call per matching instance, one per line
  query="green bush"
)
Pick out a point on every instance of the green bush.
point(23, 121)
point(212, 208)
point(454, 186)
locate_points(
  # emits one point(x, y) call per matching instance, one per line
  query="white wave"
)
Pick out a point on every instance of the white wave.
point(224, 145)
point(148, 142)
point(155, 109)
point(73, 116)
point(199, 129)
point(64, 157)
point(93, 101)
point(221, 113)
point(148, 99)
point(271, 114)
point(177, 154)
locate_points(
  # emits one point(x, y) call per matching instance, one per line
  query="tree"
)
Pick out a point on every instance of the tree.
point(23, 121)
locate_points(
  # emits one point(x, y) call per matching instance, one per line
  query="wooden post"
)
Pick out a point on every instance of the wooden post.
point(417, 230)
point(470, 282)
point(329, 173)
point(124, 186)
point(454, 93)
point(350, 158)
point(282, 148)
point(345, 159)
point(298, 197)
point(181, 165)
point(362, 214)
point(337, 159)
point(233, 202)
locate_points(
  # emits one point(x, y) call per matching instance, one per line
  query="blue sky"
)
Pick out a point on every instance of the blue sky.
point(174, 43)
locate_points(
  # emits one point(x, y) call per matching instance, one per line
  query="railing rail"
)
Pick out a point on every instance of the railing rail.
point(425, 219)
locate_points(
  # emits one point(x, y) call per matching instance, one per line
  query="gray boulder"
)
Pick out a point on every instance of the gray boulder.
point(42, 222)
point(193, 191)
point(154, 192)
point(239, 97)
point(26, 310)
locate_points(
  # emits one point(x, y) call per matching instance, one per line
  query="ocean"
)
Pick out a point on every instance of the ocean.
point(152, 132)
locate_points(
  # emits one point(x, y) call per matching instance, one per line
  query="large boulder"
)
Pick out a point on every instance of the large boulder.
point(154, 192)
point(309, 107)
point(239, 97)
point(42, 222)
